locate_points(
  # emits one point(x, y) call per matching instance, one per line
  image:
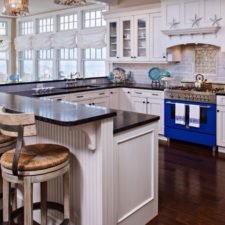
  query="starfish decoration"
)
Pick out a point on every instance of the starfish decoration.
point(173, 24)
point(215, 20)
point(196, 20)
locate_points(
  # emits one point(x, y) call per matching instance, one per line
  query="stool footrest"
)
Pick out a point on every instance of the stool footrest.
point(37, 206)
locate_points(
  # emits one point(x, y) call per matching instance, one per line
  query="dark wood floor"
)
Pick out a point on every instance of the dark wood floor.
point(191, 186)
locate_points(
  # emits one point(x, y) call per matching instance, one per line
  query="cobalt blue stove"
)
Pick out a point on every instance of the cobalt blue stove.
point(205, 134)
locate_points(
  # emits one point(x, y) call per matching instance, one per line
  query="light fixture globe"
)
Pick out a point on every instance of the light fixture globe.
point(70, 2)
point(16, 8)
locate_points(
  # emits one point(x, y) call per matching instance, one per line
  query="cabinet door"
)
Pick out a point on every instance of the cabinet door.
point(126, 38)
point(141, 38)
point(100, 102)
point(113, 39)
point(58, 98)
point(139, 104)
point(157, 53)
point(156, 107)
point(221, 126)
point(114, 99)
point(125, 99)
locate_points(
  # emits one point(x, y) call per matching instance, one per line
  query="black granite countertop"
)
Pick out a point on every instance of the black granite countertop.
point(67, 114)
point(63, 90)
point(220, 93)
point(125, 120)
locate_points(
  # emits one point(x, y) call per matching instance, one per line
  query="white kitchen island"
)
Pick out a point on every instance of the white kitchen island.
point(114, 160)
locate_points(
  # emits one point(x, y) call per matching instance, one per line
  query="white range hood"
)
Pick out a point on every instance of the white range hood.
point(193, 22)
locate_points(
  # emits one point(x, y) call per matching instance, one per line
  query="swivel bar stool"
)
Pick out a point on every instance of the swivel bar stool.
point(37, 163)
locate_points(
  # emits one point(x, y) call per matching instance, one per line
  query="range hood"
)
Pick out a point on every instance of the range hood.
point(193, 22)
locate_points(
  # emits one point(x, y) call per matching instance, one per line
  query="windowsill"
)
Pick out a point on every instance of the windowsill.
point(46, 81)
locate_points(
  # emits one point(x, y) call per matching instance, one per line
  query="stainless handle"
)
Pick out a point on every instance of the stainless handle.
point(206, 107)
point(101, 93)
point(80, 96)
point(139, 93)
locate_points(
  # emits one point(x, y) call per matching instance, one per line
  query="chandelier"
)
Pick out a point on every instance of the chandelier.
point(16, 7)
point(70, 2)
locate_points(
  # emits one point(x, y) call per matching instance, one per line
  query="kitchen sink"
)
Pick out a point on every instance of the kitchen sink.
point(81, 87)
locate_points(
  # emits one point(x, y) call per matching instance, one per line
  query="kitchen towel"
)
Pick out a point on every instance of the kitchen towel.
point(194, 116)
point(180, 113)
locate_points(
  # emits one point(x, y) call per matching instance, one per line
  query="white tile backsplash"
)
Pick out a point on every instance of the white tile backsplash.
point(184, 70)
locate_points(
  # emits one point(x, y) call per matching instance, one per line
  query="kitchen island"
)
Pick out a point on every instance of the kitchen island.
point(114, 159)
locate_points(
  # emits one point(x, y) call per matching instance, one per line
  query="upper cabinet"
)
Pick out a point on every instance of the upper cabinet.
point(135, 36)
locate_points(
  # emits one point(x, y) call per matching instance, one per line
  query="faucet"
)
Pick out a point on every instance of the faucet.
point(73, 79)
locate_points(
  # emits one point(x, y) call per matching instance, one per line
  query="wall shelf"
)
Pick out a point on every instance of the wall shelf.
point(192, 31)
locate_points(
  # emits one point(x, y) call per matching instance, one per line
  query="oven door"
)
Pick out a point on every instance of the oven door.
point(207, 117)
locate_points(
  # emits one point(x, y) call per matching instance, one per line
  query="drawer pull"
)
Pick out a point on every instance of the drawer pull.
point(155, 94)
point(59, 99)
point(101, 93)
point(139, 93)
point(80, 96)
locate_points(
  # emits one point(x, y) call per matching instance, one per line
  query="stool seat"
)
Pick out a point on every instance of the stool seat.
point(37, 157)
point(5, 139)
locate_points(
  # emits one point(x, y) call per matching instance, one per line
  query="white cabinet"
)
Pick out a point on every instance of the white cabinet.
point(58, 98)
point(128, 37)
point(221, 121)
point(113, 39)
point(114, 98)
point(125, 99)
point(157, 51)
point(97, 98)
point(149, 102)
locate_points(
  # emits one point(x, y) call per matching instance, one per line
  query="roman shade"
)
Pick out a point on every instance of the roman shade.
point(91, 38)
point(41, 41)
point(64, 40)
point(22, 43)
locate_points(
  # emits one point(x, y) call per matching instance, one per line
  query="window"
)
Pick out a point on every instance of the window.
point(45, 25)
point(26, 65)
point(45, 64)
point(94, 19)
point(94, 62)
point(3, 66)
point(26, 28)
point(68, 22)
point(3, 28)
point(67, 62)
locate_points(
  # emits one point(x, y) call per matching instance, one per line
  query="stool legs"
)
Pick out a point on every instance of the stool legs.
point(6, 200)
point(66, 190)
point(28, 201)
point(44, 203)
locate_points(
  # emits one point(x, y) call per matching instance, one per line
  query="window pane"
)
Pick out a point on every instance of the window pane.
point(45, 25)
point(69, 22)
point(94, 68)
point(3, 28)
point(26, 27)
point(45, 69)
point(94, 19)
point(66, 68)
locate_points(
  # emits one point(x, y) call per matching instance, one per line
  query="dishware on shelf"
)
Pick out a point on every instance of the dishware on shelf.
point(154, 74)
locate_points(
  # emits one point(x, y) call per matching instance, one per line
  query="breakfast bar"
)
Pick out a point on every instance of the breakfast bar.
point(114, 160)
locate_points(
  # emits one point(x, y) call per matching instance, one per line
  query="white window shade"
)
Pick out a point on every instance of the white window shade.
point(41, 41)
point(23, 43)
point(64, 40)
point(4, 45)
point(91, 38)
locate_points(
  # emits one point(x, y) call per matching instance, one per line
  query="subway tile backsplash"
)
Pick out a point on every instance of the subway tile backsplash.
point(186, 68)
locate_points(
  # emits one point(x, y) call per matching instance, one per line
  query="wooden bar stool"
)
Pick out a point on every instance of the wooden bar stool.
point(30, 164)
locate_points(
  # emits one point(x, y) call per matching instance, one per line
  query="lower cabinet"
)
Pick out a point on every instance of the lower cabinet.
point(125, 102)
point(221, 126)
point(114, 98)
point(149, 102)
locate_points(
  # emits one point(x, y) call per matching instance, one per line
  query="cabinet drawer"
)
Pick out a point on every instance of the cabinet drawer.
point(221, 100)
point(148, 93)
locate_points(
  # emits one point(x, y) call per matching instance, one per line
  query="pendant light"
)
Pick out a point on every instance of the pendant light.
point(16, 8)
point(70, 2)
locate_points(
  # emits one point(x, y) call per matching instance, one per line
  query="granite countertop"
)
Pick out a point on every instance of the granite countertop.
point(125, 120)
point(93, 87)
point(220, 93)
point(66, 114)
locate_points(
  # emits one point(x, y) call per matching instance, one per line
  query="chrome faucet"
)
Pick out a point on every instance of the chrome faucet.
point(73, 79)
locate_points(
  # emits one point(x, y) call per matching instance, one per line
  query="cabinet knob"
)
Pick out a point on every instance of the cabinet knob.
point(134, 57)
point(111, 92)
point(117, 57)
point(128, 92)
point(143, 102)
point(218, 110)
point(148, 102)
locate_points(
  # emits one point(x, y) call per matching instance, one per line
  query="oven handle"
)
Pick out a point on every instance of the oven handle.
point(205, 107)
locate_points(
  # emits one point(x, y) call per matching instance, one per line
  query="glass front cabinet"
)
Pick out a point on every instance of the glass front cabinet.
point(128, 38)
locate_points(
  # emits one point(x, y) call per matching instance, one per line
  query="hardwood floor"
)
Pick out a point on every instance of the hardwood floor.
point(191, 186)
